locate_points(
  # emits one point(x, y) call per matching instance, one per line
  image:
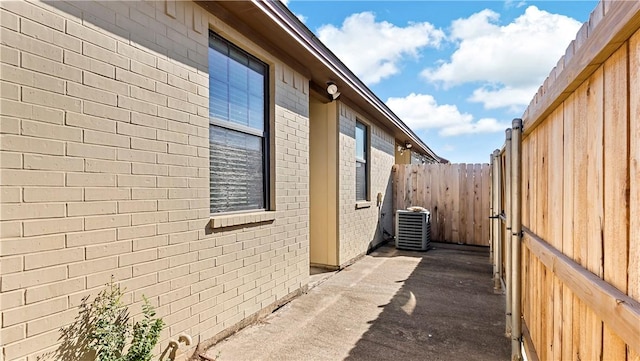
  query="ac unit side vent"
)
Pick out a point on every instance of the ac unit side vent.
point(413, 230)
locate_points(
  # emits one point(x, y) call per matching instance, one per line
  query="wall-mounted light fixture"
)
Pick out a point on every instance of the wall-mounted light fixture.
point(402, 148)
point(332, 90)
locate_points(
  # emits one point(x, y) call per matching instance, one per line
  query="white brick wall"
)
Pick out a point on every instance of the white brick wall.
point(104, 171)
point(360, 229)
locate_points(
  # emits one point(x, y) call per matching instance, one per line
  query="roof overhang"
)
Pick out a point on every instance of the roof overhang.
point(273, 26)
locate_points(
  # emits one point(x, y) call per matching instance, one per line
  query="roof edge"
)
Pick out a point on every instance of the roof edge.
point(282, 16)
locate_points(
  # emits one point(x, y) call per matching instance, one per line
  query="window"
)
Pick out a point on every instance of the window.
point(238, 128)
point(362, 170)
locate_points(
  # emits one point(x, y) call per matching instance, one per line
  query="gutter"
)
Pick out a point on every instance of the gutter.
point(282, 16)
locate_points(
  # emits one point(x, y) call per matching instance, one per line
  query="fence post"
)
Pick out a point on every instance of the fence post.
point(508, 212)
point(491, 214)
point(499, 232)
point(496, 234)
point(516, 236)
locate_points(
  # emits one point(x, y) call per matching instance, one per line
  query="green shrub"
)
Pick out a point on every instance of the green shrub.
point(145, 335)
point(111, 328)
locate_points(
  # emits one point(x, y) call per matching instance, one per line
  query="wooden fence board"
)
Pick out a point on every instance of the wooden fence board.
point(536, 324)
point(581, 193)
point(539, 207)
point(592, 258)
point(414, 185)
point(613, 306)
point(448, 202)
point(549, 309)
point(438, 201)
point(581, 345)
point(476, 203)
point(542, 179)
point(409, 187)
point(444, 202)
point(569, 323)
point(455, 203)
point(633, 287)
point(542, 219)
point(399, 182)
point(567, 176)
point(536, 335)
point(446, 171)
point(595, 176)
point(428, 186)
point(432, 174)
point(525, 183)
point(526, 261)
point(546, 281)
point(558, 213)
point(485, 178)
point(580, 175)
point(533, 169)
point(526, 291)
point(462, 191)
point(615, 236)
point(556, 345)
point(420, 188)
point(469, 204)
point(395, 189)
point(453, 193)
point(555, 219)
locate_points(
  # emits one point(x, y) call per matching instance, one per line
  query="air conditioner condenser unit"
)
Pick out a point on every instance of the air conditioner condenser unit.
point(413, 230)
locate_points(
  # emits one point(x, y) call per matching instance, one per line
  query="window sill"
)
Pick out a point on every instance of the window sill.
point(363, 204)
point(230, 220)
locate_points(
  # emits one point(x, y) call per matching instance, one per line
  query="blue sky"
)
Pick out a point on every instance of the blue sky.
point(457, 72)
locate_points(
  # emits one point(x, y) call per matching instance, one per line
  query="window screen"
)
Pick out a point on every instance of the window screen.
point(238, 140)
point(361, 162)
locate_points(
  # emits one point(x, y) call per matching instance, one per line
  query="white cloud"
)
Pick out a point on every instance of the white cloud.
point(475, 26)
point(484, 125)
point(509, 61)
point(448, 148)
point(422, 112)
point(513, 3)
point(373, 50)
point(503, 97)
point(300, 17)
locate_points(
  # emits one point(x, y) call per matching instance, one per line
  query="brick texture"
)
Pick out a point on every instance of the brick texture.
point(363, 228)
point(105, 172)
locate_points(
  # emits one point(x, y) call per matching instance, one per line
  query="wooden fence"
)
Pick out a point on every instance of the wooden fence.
point(457, 195)
point(574, 191)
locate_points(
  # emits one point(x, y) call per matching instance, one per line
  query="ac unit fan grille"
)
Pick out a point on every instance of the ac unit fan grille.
point(413, 230)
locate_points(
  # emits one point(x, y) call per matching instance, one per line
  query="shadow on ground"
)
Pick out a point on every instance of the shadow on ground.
point(445, 310)
point(390, 305)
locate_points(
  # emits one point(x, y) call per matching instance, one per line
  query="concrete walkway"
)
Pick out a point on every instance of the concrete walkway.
point(391, 305)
